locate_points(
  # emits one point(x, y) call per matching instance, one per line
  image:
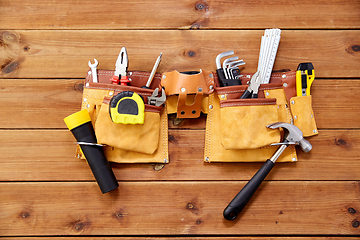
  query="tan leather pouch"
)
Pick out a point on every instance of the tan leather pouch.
point(244, 121)
point(142, 138)
point(141, 143)
point(301, 109)
point(236, 128)
point(187, 93)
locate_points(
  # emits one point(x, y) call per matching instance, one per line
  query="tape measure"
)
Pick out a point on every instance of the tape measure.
point(127, 107)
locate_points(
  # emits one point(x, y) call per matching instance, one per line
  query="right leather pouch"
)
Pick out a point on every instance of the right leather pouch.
point(236, 128)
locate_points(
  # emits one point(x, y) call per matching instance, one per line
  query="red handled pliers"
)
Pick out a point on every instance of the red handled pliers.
point(121, 65)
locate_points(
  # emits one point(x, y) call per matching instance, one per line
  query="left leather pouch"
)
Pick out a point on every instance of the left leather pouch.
point(127, 143)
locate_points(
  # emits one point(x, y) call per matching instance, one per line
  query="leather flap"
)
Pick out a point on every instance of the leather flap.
point(176, 82)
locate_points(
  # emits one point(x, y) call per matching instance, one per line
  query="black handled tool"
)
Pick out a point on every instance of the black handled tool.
point(253, 89)
point(221, 71)
point(293, 135)
point(80, 125)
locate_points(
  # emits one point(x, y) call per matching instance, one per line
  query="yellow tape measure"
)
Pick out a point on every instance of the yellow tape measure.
point(127, 108)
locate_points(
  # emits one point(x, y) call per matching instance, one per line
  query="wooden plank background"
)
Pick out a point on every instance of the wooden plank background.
point(47, 193)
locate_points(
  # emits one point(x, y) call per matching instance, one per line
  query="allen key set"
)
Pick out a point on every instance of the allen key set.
point(229, 72)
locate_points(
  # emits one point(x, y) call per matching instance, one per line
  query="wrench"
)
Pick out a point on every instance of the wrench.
point(233, 66)
point(93, 70)
point(225, 65)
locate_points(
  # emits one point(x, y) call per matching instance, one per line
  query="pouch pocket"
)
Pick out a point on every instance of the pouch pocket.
point(143, 138)
point(244, 121)
point(301, 109)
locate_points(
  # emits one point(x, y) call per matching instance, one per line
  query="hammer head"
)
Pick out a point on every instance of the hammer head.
point(293, 135)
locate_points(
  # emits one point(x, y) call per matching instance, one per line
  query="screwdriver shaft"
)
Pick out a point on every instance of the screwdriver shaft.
point(153, 71)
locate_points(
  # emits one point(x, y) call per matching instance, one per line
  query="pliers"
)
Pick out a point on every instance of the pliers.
point(253, 89)
point(121, 65)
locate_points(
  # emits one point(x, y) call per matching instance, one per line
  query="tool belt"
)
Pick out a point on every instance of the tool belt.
point(236, 128)
point(126, 143)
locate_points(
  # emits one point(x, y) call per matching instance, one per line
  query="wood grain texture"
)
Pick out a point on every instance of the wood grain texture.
point(38, 103)
point(65, 54)
point(187, 14)
point(181, 208)
point(49, 155)
point(46, 193)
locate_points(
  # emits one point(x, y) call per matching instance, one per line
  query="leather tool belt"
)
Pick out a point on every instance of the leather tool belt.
point(235, 128)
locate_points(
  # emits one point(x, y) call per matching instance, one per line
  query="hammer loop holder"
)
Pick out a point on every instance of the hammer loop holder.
point(188, 89)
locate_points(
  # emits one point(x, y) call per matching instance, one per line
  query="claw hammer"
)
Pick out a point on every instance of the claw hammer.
point(292, 135)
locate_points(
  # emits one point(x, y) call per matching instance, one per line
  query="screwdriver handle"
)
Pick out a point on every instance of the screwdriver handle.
point(243, 197)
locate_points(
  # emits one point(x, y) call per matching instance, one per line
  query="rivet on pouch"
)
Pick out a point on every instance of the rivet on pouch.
point(312, 116)
point(211, 107)
point(89, 72)
point(292, 102)
point(293, 159)
point(207, 159)
point(285, 84)
point(200, 89)
point(211, 75)
point(267, 94)
point(87, 84)
point(314, 131)
point(164, 76)
point(283, 76)
point(295, 117)
point(88, 105)
point(85, 99)
point(183, 89)
point(211, 87)
point(165, 160)
point(222, 96)
point(111, 93)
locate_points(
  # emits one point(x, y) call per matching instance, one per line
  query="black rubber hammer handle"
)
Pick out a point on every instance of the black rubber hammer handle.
point(245, 194)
